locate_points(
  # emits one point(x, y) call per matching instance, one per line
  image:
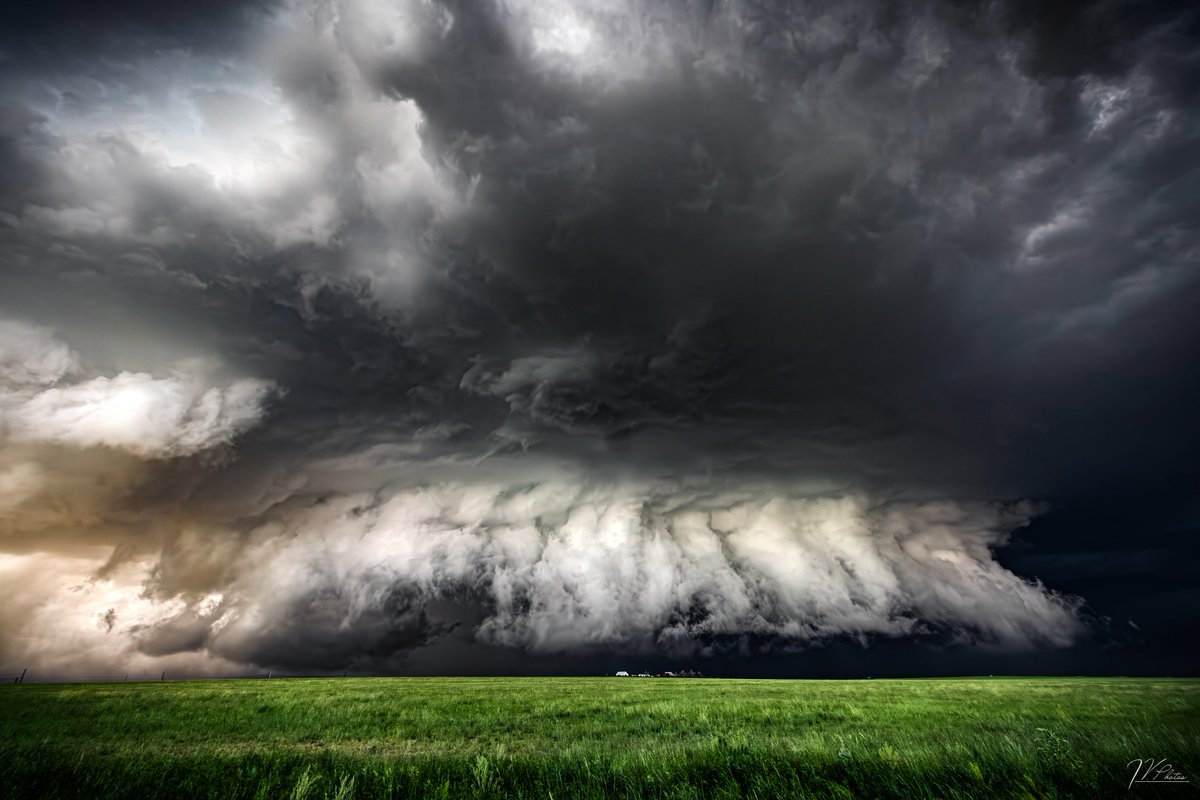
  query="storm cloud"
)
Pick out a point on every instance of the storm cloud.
point(341, 335)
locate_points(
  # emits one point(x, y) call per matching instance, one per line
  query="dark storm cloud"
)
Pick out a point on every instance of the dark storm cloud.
point(57, 28)
point(1081, 37)
point(428, 323)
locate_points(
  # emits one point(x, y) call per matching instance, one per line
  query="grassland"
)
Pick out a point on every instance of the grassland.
point(597, 737)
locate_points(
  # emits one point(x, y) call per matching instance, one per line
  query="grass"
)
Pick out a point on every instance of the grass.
point(597, 738)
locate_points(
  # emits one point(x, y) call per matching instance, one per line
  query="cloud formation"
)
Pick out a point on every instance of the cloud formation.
point(567, 328)
point(133, 411)
point(560, 566)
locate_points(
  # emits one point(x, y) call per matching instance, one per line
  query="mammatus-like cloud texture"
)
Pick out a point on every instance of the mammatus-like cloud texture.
point(373, 335)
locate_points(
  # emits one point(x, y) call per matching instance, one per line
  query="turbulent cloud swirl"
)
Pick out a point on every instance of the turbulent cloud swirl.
point(367, 335)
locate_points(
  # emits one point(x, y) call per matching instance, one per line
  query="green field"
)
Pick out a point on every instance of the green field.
point(597, 737)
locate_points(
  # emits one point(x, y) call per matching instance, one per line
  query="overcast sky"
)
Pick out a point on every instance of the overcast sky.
point(534, 336)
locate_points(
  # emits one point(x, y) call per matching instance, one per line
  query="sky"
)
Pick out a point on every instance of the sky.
point(790, 339)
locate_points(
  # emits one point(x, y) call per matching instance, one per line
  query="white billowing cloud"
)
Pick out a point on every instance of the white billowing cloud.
point(30, 355)
point(608, 39)
point(280, 146)
point(222, 120)
point(148, 416)
point(400, 30)
point(564, 566)
point(558, 566)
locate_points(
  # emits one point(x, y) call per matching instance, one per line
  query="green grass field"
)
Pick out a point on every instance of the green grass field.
point(597, 737)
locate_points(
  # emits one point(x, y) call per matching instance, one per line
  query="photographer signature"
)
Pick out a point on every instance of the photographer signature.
point(1149, 770)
